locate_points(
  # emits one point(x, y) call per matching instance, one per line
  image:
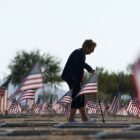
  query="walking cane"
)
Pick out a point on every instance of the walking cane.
point(101, 110)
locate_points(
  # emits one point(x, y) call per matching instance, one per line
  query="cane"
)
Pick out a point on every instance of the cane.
point(101, 110)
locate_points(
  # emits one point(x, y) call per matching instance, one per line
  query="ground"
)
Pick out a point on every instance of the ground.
point(52, 127)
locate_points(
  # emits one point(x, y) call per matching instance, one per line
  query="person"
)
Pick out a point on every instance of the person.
point(73, 73)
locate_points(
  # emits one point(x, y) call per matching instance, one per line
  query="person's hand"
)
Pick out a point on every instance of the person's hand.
point(92, 71)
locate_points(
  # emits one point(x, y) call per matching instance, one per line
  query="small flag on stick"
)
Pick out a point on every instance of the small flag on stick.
point(90, 87)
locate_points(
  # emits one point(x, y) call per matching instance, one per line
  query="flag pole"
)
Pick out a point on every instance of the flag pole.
point(101, 110)
point(99, 101)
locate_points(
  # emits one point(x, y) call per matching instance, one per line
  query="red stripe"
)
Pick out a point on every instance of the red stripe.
point(24, 85)
point(33, 78)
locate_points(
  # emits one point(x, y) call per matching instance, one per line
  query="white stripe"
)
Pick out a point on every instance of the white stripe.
point(30, 81)
point(32, 86)
point(30, 91)
point(91, 84)
point(88, 91)
point(88, 88)
point(27, 94)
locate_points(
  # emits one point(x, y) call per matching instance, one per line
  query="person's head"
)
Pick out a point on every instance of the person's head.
point(88, 46)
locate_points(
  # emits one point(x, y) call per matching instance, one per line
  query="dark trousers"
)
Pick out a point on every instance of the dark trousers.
point(75, 85)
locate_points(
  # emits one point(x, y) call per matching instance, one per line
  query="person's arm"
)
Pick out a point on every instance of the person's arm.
point(89, 68)
point(79, 60)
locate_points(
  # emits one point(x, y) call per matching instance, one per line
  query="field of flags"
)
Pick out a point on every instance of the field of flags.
point(33, 81)
point(43, 120)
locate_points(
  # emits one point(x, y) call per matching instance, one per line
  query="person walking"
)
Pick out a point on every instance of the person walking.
point(73, 73)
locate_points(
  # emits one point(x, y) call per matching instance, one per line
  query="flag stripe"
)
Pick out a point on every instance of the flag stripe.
point(88, 91)
point(114, 104)
point(91, 87)
point(32, 77)
point(32, 81)
point(29, 94)
point(32, 86)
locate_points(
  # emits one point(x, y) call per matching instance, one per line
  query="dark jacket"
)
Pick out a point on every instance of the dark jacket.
point(75, 65)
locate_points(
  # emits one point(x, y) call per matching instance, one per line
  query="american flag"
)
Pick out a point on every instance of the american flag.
point(37, 108)
point(10, 100)
point(64, 103)
point(32, 81)
point(28, 94)
point(115, 101)
point(90, 105)
point(66, 98)
point(114, 104)
point(14, 107)
point(55, 106)
point(91, 87)
point(132, 108)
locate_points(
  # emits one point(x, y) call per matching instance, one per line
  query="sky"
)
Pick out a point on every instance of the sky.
point(58, 27)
